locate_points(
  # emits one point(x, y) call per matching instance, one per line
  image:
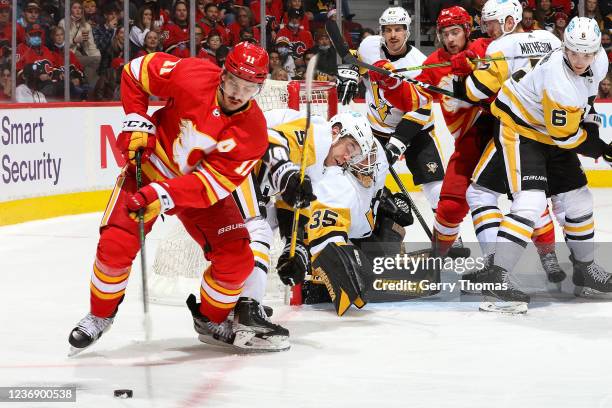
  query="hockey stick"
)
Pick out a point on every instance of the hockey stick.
point(414, 207)
point(342, 50)
point(143, 259)
point(475, 60)
point(296, 212)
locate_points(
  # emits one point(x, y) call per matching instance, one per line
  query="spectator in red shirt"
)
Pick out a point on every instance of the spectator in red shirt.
point(545, 14)
point(300, 40)
point(175, 33)
point(560, 23)
point(212, 22)
point(31, 14)
point(297, 4)
point(565, 6)
point(6, 31)
point(244, 19)
point(274, 10)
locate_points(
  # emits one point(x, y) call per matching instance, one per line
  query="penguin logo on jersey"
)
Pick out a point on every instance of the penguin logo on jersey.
point(216, 112)
point(432, 167)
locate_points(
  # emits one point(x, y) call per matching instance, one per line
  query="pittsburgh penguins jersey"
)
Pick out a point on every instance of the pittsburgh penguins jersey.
point(382, 115)
point(547, 103)
point(286, 136)
point(343, 208)
point(511, 53)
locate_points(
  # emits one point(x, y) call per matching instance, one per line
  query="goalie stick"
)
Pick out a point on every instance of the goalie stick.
point(342, 50)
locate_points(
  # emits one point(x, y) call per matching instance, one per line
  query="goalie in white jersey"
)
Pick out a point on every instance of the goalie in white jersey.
point(545, 118)
point(410, 133)
point(346, 172)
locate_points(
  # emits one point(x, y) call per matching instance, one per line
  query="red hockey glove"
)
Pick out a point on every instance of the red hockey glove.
point(384, 82)
point(153, 198)
point(138, 133)
point(461, 64)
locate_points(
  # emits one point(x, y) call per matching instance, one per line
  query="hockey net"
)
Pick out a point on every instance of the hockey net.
point(179, 261)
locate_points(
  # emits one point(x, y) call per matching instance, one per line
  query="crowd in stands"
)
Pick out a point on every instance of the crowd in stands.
point(95, 35)
point(294, 31)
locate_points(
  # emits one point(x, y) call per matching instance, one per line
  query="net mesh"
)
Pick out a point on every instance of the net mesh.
point(179, 261)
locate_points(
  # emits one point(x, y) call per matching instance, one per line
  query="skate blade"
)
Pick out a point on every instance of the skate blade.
point(248, 342)
point(504, 307)
point(589, 293)
point(74, 351)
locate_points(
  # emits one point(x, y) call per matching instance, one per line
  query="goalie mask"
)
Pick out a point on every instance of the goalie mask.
point(352, 124)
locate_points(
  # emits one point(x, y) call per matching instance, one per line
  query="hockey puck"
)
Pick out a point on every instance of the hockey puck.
point(123, 393)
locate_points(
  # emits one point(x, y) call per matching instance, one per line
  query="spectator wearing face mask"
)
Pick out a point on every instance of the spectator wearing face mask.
point(300, 39)
point(283, 46)
point(327, 54)
point(30, 17)
point(34, 52)
point(304, 22)
point(29, 90)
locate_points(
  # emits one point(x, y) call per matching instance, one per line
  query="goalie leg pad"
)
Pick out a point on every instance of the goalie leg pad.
point(342, 268)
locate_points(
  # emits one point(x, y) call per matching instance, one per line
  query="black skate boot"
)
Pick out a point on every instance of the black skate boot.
point(590, 279)
point(554, 273)
point(216, 334)
point(457, 250)
point(87, 332)
point(254, 331)
point(479, 275)
point(501, 293)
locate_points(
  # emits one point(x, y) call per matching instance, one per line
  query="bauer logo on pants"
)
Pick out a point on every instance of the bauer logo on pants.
point(230, 227)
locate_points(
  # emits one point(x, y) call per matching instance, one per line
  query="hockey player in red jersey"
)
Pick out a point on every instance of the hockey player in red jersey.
point(453, 27)
point(196, 150)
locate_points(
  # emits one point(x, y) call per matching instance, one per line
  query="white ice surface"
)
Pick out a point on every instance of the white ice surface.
point(410, 354)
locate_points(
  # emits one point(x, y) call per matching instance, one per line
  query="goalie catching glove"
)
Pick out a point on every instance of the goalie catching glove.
point(296, 194)
point(348, 77)
point(153, 198)
point(137, 133)
point(293, 270)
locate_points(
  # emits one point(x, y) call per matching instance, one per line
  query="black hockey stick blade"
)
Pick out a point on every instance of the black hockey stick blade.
point(342, 49)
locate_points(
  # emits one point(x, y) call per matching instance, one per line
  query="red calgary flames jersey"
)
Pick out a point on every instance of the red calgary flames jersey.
point(458, 115)
point(212, 150)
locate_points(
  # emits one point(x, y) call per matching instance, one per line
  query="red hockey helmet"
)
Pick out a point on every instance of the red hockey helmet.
point(248, 61)
point(455, 15)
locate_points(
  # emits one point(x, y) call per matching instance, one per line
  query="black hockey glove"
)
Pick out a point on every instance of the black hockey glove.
point(398, 208)
point(294, 193)
point(348, 77)
point(293, 270)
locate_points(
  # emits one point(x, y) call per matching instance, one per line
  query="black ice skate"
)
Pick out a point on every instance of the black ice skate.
point(458, 250)
point(590, 279)
point(501, 294)
point(254, 331)
point(87, 332)
point(554, 273)
point(476, 276)
point(216, 334)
